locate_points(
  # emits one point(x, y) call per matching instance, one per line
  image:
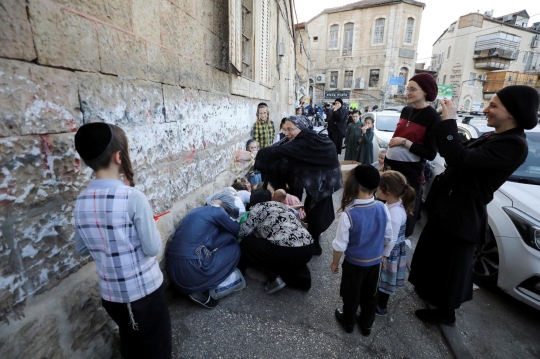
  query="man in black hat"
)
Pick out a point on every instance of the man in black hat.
point(441, 268)
point(337, 124)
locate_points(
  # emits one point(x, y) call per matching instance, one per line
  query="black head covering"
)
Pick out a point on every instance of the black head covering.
point(301, 122)
point(367, 176)
point(340, 101)
point(93, 139)
point(262, 104)
point(260, 195)
point(522, 103)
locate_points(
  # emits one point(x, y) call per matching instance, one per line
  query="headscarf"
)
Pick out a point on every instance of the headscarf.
point(260, 195)
point(302, 122)
point(230, 202)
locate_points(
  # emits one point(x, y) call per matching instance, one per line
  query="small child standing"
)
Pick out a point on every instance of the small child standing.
point(253, 176)
point(365, 143)
point(115, 225)
point(400, 198)
point(364, 234)
point(380, 160)
point(353, 133)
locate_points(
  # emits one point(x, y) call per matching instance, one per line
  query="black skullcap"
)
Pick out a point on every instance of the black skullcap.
point(260, 195)
point(340, 101)
point(428, 84)
point(522, 103)
point(302, 122)
point(262, 104)
point(93, 139)
point(367, 176)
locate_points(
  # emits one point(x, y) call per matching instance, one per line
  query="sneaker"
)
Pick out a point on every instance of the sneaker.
point(274, 286)
point(204, 299)
point(339, 316)
point(381, 312)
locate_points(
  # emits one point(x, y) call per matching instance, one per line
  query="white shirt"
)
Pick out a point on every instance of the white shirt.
point(399, 217)
point(341, 241)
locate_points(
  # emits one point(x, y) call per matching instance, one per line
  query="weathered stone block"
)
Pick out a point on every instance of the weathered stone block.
point(195, 40)
point(185, 177)
point(221, 81)
point(221, 19)
point(102, 98)
point(144, 102)
point(35, 169)
point(111, 11)
point(152, 144)
point(174, 34)
point(163, 65)
point(146, 22)
point(16, 39)
point(45, 245)
point(205, 13)
point(155, 183)
point(116, 48)
point(37, 100)
point(62, 38)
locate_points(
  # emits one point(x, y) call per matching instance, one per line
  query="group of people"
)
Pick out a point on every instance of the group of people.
point(263, 228)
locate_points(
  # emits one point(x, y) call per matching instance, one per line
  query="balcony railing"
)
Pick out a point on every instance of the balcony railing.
point(492, 64)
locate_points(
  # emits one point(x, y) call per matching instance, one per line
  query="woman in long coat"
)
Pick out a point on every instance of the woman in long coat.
point(353, 133)
point(313, 163)
point(365, 143)
point(441, 268)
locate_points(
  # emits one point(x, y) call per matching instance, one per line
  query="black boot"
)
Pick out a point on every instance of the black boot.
point(339, 316)
point(317, 249)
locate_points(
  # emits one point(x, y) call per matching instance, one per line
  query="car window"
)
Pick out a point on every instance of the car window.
point(530, 169)
point(464, 135)
point(386, 123)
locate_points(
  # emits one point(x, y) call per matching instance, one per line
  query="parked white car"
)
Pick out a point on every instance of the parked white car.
point(511, 260)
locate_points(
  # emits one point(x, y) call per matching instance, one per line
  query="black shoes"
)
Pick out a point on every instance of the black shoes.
point(364, 331)
point(339, 316)
point(204, 299)
point(437, 316)
point(381, 312)
point(317, 249)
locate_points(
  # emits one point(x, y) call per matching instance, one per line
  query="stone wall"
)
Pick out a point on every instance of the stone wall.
point(157, 68)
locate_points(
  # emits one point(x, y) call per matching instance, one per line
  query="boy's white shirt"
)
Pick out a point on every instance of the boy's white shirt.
point(340, 243)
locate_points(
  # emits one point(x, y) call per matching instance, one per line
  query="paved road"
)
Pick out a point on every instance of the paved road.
point(294, 324)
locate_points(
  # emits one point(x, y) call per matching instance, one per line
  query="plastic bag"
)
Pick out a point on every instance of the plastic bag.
point(233, 283)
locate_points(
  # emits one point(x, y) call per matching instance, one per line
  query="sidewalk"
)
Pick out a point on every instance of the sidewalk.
point(294, 324)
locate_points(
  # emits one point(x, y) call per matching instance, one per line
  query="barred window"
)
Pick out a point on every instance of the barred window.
point(333, 79)
point(409, 31)
point(378, 34)
point(348, 31)
point(334, 30)
point(347, 81)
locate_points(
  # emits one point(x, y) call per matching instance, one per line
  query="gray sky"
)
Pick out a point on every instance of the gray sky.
point(438, 14)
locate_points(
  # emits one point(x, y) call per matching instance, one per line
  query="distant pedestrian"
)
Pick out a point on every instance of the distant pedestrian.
point(375, 108)
point(263, 130)
point(441, 268)
point(299, 111)
point(399, 197)
point(414, 139)
point(352, 135)
point(365, 142)
point(337, 124)
point(364, 234)
point(115, 225)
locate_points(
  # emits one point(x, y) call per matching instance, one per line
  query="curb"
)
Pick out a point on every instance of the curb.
point(451, 333)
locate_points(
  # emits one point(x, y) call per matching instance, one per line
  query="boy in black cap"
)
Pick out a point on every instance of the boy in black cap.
point(115, 225)
point(364, 234)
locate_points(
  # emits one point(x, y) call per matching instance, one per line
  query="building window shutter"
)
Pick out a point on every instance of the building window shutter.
point(235, 34)
point(265, 41)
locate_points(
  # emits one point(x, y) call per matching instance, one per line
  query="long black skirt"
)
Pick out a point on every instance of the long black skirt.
point(320, 217)
point(441, 268)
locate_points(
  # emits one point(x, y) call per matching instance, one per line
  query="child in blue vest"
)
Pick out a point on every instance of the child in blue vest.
point(364, 234)
point(115, 225)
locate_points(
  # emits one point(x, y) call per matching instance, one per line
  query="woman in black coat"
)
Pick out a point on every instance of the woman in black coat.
point(441, 268)
point(312, 164)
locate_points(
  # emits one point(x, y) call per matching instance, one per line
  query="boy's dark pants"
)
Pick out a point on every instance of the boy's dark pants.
point(151, 313)
point(359, 286)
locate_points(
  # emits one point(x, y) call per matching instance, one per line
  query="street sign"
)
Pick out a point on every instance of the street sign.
point(337, 94)
point(398, 80)
point(445, 91)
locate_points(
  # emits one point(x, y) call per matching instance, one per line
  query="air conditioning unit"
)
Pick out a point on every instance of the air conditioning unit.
point(536, 26)
point(359, 83)
point(320, 79)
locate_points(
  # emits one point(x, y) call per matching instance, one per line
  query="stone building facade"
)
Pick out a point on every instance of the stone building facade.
point(358, 47)
point(181, 77)
point(472, 50)
point(302, 60)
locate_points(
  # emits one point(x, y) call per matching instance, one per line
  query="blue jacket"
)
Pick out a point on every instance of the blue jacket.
point(204, 250)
